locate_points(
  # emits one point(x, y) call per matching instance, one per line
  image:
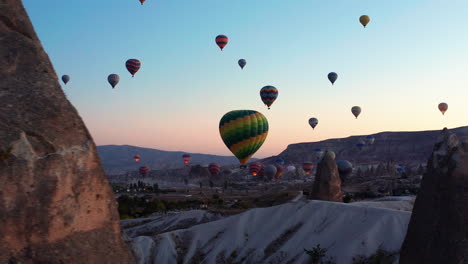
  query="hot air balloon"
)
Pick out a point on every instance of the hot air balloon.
point(255, 168)
point(214, 169)
point(345, 168)
point(279, 171)
point(270, 171)
point(307, 166)
point(370, 139)
point(142, 1)
point(113, 79)
point(186, 158)
point(318, 153)
point(242, 63)
point(400, 170)
point(279, 161)
point(356, 110)
point(243, 132)
point(290, 168)
point(221, 41)
point(133, 65)
point(144, 171)
point(332, 76)
point(331, 153)
point(360, 144)
point(364, 20)
point(313, 122)
point(65, 79)
point(268, 95)
point(443, 107)
point(136, 157)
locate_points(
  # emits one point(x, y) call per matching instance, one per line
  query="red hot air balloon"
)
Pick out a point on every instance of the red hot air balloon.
point(214, 169)
point(136, 157)
point(186, 158)
point(133, 65)
point(307, 166)
point(279, 171)
point(221, 41)
point(144, 171)
point(255, 168)
point(142, 1)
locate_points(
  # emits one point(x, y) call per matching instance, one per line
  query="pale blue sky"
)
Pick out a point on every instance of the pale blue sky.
point(412, 56)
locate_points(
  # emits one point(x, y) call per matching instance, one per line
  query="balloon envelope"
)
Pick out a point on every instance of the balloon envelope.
point(270, 171)
point(268, 94)
point(356, 110)
point(133, 65)
point(136, 157)
point(142, 1)
point(144, 171)
point(279, 161)
point(313, 122)
point(345, 168)
point(243, 132)
point(364, 19)
point(186, 158)
point(443, 107)
point(279, 171)
point(214, 169)
point(332, 76)
point(65, 79)
point(221, 41)
point(242, 63)
point(255, 168)
point(290, 168)
point(113, 79)
point(307, 166)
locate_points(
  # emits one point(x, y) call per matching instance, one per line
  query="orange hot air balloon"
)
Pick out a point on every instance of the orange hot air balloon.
point(136, 157)
point(221, 41)
point(255, 168)
point(443, 107)
point(307, 166)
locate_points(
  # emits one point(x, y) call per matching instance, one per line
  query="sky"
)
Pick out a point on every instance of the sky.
point(412, 56)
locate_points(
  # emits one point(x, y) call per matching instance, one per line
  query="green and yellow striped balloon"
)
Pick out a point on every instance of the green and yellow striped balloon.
point(243, 132)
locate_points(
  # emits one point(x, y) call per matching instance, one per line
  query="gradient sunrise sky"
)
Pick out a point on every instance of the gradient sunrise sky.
point(412, 56)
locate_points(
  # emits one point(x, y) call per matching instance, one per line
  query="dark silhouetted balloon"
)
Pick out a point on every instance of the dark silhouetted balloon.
point(65, 79)
point(332, 76)
point(113, 79)
point(242, 63)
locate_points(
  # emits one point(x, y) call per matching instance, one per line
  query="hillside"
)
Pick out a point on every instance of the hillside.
point(404, 148)
point(118, 159)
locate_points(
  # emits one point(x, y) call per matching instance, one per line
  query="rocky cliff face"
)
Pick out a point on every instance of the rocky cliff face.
point(438, 230)
point(327, 184)
point(55, 203)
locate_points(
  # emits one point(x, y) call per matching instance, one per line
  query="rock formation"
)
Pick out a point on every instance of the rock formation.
point(438, 230)
point(56, 205)
point(327, 185)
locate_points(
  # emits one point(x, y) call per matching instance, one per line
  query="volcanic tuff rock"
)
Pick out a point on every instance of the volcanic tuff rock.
point(404, 148)
point(438, 229)
point(327, 184)
point(56, 205)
